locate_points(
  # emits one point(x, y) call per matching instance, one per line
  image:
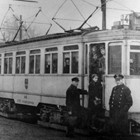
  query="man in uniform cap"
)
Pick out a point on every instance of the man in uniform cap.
point(119, 104)
point(73, 105)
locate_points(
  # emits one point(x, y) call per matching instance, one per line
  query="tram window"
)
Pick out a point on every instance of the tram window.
point(6, 65)
point(20, 62)
point(47, 63)
point(34, 67)
point(31, 64)
point(114, 59)
point(66, 63)
point(37, 66)
point(51, 60)
point(134, 63)
point(54, 62)
point(74, 62)
point(17, 64)
point(71, 47)
point(86, 59)
point(8, 61)
point(23, 64)
point(0, 63)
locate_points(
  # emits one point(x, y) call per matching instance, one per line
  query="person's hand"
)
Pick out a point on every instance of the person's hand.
point(70, 113)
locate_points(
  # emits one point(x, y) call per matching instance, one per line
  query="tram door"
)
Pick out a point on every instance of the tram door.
point(97, 65)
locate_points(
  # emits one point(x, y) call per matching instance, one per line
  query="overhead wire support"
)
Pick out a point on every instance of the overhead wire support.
point(18, 31)
point(59, 8)
point(87, 19)
point(78, 9)
point(4, 19)
point(53, 19)
point(48, 29)
point(34, 18)
point(22, 25)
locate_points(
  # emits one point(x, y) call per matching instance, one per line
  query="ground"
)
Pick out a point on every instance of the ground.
point(17, 130)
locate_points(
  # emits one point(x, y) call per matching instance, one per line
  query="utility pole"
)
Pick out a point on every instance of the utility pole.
point(103, 8)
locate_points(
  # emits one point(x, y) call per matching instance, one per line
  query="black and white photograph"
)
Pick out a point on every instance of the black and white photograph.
point(69, 69)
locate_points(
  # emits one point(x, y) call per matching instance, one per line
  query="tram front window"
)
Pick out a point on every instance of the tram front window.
point(135, 63)
point(114, 59)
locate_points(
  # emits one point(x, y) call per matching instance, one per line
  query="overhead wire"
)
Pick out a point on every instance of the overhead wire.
point(59, 9)
point(34, 18)
point(106, 7)
point(4, 19)
point(123, 6)
point(22, 25)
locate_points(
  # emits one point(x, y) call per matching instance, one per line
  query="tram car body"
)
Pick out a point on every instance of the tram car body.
point(36, 73)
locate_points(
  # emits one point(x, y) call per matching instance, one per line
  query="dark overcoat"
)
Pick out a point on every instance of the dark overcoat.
point(73, 99)
point(119, 103)
point(95, 90)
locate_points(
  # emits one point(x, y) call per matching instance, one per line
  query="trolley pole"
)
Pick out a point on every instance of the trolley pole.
point(20, 31)
point(103, 8)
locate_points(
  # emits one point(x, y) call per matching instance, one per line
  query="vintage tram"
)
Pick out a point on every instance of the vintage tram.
point(35, 73)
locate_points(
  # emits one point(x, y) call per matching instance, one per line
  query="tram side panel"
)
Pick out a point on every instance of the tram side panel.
point(6, 86)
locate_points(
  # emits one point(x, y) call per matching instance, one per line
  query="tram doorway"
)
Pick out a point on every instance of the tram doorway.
point(97, 65)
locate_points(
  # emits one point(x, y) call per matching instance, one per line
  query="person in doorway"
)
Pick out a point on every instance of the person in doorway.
point(102, 63)
point(95, 100)
point(119, 104)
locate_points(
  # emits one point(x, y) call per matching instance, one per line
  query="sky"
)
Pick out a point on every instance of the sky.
point(73, 13)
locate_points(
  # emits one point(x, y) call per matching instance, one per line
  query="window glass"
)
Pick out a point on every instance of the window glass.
point(20, 62)
point(72, 47)
point(51, 60)
point(17, 65)
point(135, 63)
point(86, 59)
point(8, 62)
point(47, 63)
point(114, 59)
point(31, 64)
point(10, 65)
point(34, 67)
point(51, 49)
point(54, 62)
point(5, 65)
point(0, 65)
point(66, 63)
point(74, 62)
point(23, 64)
point(37, 68)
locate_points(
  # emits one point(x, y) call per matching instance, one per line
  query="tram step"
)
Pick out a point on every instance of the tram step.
point(60, 127)
point(8, 115)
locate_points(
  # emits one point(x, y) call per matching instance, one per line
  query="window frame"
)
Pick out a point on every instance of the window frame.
point(8, 57)
point(134, 50)
point(20, 56)
point(70, 49)
point(35, 53)
point(50, 51)
point(112, 44)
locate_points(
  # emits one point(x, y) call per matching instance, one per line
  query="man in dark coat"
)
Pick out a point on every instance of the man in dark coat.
point(73, 105)
point(119, 103)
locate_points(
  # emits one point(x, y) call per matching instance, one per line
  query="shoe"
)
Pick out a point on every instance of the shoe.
point(69, 135)
point(93, 128)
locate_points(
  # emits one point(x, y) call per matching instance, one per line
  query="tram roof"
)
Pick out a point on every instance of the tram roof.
point(100, 35)
point(40, 38)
